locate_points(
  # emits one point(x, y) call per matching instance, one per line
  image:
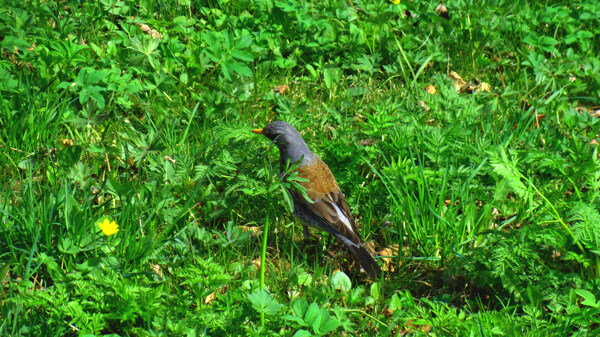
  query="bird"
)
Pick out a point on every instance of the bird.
point(327, 209)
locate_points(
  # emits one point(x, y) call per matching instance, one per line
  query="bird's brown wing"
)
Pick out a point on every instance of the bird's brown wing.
point(329, 204)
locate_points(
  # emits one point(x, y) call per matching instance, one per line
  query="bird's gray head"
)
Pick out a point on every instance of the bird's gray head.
point(288, 140)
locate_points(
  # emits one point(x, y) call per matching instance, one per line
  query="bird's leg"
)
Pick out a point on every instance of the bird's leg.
point(305, 232)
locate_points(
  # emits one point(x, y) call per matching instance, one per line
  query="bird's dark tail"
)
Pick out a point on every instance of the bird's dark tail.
point(364, 258)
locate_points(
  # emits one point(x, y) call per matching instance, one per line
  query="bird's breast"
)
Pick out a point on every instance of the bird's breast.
point(320, 179)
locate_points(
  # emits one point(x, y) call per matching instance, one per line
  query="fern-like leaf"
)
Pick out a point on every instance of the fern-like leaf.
point(507, 169)
point(586, 226)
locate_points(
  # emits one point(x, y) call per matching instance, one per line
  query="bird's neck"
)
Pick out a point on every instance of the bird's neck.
point(294, 152)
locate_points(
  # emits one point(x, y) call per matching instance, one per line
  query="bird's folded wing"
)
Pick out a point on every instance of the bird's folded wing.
point(332, 211)
point(329, 205)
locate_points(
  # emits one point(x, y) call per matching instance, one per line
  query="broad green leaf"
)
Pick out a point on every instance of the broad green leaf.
point(329, 326)
point(68, 156)
point(312, 314)
point(375, 290)
point(300, 307)
point(340, 281)
point(262, 301)
point(395, 303)
point(320, 321)
point(241, 69)
point(243, 41)
point(296, 319)
point(588, 298)
point(27, 164)
point(331, 76)
point(96, 76)
point(242, 55)
point(304, 278)
point(302, 333)
point(226, 70)
point(66, 246)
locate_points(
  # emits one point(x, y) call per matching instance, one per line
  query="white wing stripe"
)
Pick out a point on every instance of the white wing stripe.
point(342, 217)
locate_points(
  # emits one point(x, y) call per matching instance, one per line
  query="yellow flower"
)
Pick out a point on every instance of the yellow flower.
point(108, 228)
point(395, 2)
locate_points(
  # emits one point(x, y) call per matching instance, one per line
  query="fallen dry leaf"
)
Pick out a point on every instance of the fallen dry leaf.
point(366, 142)
point(457, 81)
point(281, 88)
point(254, 229)
point(448, 202)
point(430, 89)
point(156, 269)
point(210, 298)
point(66, 142)
point(472, 86)
point(256, 263)
point(538, 118)
point(155, 34)
point(483, 86)
point(389, 253)
point(152, 32)
point(555, 254)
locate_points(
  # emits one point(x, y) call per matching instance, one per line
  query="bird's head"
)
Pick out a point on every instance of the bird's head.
point(287, 138)
point(280, 132)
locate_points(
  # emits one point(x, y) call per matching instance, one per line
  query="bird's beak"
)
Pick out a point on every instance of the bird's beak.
point(257, 131)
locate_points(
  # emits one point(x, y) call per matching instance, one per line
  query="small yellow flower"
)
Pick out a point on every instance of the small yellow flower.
point(108, 228)
point(395, 2)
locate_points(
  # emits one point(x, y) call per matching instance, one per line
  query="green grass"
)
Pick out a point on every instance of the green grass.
point(485, 205)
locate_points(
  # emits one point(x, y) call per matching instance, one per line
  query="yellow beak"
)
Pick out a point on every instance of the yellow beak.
point(257, 130)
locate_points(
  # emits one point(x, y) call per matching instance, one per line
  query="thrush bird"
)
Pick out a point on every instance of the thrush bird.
point(328, 210)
